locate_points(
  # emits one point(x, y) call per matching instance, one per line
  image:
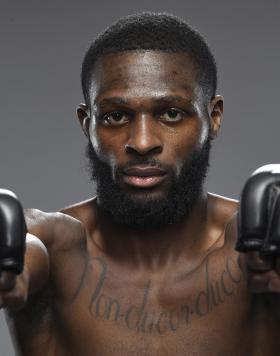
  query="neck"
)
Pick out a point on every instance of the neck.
point(154, 249)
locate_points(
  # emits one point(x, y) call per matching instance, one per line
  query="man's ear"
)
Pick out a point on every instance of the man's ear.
point(215, 110)
point(84, 118)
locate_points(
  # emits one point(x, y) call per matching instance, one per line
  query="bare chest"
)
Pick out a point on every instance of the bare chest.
point(113, 312)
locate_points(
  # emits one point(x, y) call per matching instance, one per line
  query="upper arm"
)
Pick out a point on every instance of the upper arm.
point(41, 224)
point(36, 263)
point(62, 239)
point(38, 240)
point(231, 232)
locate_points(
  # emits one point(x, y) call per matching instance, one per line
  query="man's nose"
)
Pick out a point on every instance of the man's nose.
point(144, 136)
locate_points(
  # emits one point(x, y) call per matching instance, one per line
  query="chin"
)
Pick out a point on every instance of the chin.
point(148, 195)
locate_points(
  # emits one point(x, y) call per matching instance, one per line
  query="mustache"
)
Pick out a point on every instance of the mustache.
point(144, 161)
point(137, 161)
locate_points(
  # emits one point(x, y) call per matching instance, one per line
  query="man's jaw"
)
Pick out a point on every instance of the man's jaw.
point(148, 207)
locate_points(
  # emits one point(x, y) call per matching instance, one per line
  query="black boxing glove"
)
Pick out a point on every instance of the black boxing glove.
point(12, 232)
point(259, 212)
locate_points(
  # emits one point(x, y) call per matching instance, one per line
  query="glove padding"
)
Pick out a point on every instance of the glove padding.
point(259, 212)
point(12, 232)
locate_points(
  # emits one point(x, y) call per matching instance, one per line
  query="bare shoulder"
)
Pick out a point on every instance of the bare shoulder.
point(41, 224)
point(53, 228)
point(84, 211)
point(223, 213)
point(222, 207)
point(226, 213)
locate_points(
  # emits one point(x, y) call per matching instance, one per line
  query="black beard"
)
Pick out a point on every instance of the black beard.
point(150, 213)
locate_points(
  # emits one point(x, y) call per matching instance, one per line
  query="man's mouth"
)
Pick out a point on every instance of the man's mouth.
point(143, 177)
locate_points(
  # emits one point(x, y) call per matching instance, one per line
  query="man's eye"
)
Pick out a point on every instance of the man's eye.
point(172, 115)
point(115, 118)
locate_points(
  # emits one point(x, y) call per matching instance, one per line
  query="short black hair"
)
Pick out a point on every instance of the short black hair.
point(153, 31)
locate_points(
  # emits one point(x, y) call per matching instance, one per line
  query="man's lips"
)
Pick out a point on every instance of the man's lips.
point(142, 171)
point(143, 177)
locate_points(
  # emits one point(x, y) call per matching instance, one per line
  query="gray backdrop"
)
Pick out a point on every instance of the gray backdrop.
point(42, 44)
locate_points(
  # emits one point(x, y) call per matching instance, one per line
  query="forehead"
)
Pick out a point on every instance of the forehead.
point(144, 73)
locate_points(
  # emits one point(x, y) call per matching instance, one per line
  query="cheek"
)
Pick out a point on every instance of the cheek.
point(108, 146)
point(203, 133)
point(190, 137)
point(93, 136)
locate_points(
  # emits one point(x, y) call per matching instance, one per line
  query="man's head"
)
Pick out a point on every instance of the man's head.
point(151, 111)
point(153, 31)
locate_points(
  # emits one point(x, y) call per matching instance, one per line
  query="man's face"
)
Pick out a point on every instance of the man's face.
point(148, 136)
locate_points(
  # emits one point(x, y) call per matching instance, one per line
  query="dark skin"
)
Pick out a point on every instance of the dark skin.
point(92, 287)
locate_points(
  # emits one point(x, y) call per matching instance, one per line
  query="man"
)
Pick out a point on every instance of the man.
point(148, 266)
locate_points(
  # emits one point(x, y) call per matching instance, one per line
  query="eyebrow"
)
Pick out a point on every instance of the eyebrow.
point(160, 100)
point(112, 100)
